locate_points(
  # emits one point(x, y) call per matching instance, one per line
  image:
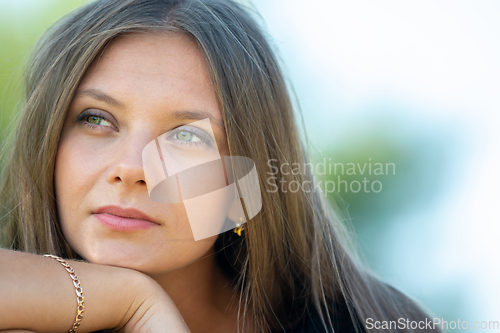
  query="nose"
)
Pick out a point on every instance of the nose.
point(127, 168)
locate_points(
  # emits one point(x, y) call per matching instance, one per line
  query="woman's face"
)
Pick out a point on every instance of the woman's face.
point(142, 86)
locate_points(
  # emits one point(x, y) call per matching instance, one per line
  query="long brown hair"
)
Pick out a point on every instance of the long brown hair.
point(294, 255)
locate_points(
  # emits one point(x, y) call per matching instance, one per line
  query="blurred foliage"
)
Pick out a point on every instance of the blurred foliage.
point(420, 153)
point(414, 165)
point(21, 23)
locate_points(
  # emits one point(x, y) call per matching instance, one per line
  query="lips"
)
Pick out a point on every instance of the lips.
point(124, 219)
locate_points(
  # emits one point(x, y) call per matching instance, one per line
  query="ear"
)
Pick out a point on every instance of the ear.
point(235, 212)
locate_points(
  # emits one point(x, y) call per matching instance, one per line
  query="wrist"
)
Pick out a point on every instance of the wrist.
point(112, 294)
point(151, 310)
point(141, 290)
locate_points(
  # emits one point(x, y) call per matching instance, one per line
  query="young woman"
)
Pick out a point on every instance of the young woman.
point(103, 83)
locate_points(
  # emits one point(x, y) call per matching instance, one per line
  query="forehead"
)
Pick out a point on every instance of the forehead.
point(150, 53)
point(145, 68)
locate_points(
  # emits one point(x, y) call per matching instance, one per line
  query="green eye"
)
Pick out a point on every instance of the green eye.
point(186, 136)
point(95, 120)
point(189, 137)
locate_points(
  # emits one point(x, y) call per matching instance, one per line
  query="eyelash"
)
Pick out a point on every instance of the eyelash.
point(205, 138)
point(87, 113)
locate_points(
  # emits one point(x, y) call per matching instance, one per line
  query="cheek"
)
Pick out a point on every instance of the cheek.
point(74, 175)
point(77, 168)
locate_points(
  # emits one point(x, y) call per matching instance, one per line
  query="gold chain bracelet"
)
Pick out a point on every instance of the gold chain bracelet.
point(78, 289)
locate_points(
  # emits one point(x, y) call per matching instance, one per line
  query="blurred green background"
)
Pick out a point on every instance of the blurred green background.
point(21, 23)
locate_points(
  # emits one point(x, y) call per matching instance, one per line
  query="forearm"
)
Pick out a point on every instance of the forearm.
point(36, 293)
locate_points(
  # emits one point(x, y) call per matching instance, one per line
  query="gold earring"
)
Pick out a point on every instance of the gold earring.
point(239, 227)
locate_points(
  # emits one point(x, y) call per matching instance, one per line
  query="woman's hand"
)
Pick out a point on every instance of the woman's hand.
point(36, 294)
point(156, 312)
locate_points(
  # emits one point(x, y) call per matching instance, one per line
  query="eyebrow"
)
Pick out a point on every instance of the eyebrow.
point(181, 115)
point(100, 96)
point(197, 115)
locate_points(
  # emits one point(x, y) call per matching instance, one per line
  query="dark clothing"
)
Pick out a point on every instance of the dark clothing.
point(341, 320)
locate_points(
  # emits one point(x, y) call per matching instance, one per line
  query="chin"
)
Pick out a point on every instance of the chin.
point(142, 258)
